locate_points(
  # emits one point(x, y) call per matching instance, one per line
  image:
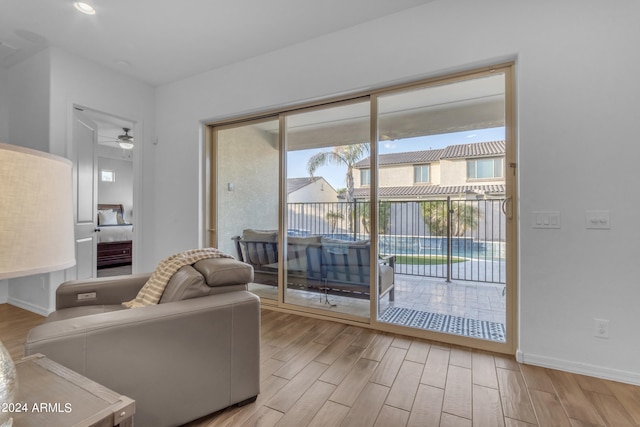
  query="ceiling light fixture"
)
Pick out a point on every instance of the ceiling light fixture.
point(85, 8)
point(125, 141)
point(126, 145)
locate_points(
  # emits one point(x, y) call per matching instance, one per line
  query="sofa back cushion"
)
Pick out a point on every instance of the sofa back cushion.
point(224, 272)
point(259, 247)
point(186, 283)
point(206, 277)
point(348, 263)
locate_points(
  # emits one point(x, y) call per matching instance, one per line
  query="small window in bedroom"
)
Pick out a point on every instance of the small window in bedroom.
point(107, 176)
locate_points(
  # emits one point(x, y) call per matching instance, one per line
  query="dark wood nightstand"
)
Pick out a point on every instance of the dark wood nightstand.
point(51, 395)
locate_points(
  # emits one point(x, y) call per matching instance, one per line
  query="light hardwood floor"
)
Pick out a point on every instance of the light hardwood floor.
point(321, 373)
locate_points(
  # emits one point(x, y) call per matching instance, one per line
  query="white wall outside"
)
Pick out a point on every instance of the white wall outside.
point(319, 191)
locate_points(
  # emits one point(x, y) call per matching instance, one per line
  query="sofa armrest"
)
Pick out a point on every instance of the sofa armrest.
point(205, 348)
point(107, 290)
point(389, 260)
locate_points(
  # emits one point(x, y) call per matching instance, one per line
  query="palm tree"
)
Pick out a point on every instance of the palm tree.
point(384, 215)
point(345, 155)
point(464, 216)
point(333, 218)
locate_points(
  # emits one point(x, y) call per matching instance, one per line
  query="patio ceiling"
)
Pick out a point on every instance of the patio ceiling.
point(455, 107)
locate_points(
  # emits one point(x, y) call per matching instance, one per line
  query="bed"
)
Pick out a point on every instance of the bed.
point(114, 236)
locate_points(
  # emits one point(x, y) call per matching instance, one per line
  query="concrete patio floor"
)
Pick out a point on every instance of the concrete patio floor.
point(473, 300)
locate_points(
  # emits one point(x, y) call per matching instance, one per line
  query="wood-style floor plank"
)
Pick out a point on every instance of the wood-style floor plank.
point(390, 416)
point(628, 396)
point(458, 392)
point(323, 374)
point(427, 409)
point(435, 368)
point(387, 370)
point(549, 411)
point(573, 398)
point(515, 397)
point(330, 415)
point(365, 409)
point(352, 385)
point(404, 388)
point(487, 408)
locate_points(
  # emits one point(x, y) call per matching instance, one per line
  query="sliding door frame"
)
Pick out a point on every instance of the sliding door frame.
point(511, 176)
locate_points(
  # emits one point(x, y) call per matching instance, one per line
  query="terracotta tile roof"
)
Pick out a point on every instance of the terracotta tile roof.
point(410, 157)
point(480, 149)
point(294, 184)
point(429, 190)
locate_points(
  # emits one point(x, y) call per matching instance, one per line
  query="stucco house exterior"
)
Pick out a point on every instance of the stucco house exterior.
point(314, 189)
point(461, 171)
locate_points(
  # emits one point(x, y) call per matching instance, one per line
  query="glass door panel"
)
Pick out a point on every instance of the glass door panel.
point(246, 203)
point(328, 247)
point(441, 157)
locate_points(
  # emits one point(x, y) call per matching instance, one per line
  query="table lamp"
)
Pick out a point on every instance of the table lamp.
point(36, 229)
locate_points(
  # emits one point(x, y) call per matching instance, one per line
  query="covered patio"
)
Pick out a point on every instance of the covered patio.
point(420, 295)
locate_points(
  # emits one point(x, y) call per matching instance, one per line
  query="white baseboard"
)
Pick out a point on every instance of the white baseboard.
point(43, 311)
point(579, 368)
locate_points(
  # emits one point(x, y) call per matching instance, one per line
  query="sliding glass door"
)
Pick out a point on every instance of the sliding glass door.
point(245, 201)
point(442, 189)
point(328, 246)
point(413, 233)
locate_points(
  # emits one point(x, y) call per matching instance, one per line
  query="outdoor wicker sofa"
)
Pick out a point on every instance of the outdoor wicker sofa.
point(316, 263)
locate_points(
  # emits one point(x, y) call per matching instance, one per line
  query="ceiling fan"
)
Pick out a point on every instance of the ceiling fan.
point(125, 141)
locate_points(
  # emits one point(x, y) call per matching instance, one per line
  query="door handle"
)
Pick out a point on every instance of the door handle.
point(507, 207)
point(96, 230)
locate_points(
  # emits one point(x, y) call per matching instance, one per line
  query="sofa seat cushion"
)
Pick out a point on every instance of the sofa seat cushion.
point(73, 312)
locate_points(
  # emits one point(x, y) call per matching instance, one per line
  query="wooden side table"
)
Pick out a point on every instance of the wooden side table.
point(51, 395)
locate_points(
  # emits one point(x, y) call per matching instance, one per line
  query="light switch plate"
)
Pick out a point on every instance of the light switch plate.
point(598, 220)
point(549, 219)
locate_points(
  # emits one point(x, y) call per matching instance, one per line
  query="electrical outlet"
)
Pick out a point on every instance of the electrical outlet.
point(601, 328)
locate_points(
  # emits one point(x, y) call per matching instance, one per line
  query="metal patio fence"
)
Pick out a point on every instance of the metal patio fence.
point(450, 239)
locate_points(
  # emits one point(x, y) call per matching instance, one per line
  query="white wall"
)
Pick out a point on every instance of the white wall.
point(42, 91)
point(577, 104)
point(29, 88)
point(28, 126)
point(81, 82)
point(4, 105)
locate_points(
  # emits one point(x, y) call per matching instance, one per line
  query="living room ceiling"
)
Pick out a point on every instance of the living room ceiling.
point(160, 42)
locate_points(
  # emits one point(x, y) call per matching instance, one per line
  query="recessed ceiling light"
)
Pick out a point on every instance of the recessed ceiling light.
point(85, 8)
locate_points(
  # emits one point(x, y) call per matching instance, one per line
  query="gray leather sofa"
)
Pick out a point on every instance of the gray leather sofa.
point(196, 352)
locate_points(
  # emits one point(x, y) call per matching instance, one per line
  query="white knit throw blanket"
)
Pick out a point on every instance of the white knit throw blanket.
point(152, 290)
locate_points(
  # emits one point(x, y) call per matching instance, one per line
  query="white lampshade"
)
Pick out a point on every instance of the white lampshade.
point(36, 212)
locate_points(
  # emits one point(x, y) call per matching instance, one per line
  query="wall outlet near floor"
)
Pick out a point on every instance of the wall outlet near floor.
point(601, 328)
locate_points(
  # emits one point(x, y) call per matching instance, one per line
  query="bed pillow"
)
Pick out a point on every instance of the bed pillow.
point(107, 218)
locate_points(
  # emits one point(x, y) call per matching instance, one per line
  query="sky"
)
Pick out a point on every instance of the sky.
point(335, 175)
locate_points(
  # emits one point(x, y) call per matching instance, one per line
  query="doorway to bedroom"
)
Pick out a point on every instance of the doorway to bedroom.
point(103, 156)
